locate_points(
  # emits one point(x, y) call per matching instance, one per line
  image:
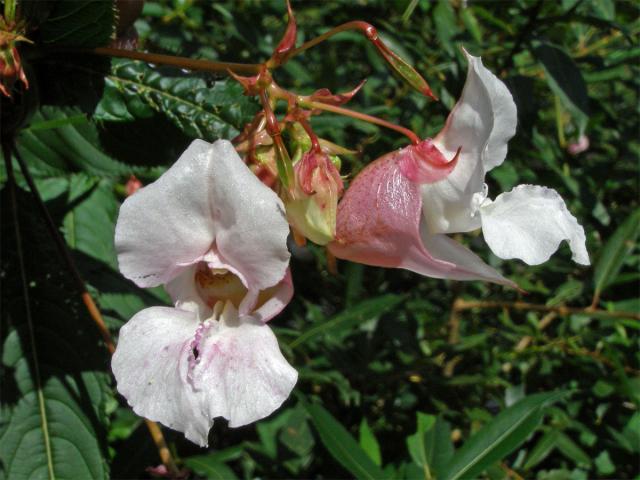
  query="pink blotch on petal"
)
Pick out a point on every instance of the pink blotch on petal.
point(424, 163)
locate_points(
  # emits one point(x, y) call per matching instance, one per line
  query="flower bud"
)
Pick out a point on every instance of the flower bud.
point(311, 208)
point(10, 69)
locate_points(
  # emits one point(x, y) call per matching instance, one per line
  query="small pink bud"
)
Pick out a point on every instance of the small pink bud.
point(582, 145)
point(312, 207)
point(132, 185)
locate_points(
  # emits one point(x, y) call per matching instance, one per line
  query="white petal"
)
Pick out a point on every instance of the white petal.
point(468, 266)
point(209, 196)
point(273, 300)
point(241, 370)
point(482, 122)
point(529, 222)
point(251, 225)
point(150, 365)
point(167, 223)
point(238, 373)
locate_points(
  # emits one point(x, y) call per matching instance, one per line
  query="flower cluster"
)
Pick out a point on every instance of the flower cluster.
point(213, 230)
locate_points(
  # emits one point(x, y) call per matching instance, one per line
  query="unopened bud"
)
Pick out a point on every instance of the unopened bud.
point(402, 68)
point(132, 185)
point(312, 207)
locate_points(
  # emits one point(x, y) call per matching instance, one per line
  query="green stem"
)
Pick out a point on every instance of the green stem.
point(9, 10)
point(559, 123)
point(25, 292)
point(181, 62)
point(364, 117)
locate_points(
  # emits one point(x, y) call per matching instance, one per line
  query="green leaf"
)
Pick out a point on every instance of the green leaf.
point(209, 468)
point(342, 446)
point(348, 317)
point(369, 443)
point(565, 80)
point(90, 226)
point(615, 252)
point(54, 385)
point(571, 450)
point(81, 23)
point(417, 445)
point(134, 90)
point(69, 145)
point(501, 436)
point(543, 448)
point(296, 434)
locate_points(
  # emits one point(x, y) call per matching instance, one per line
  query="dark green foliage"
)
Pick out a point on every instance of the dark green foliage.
point(393, 383)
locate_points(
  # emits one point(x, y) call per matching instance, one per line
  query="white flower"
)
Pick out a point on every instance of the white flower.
point(215, 236)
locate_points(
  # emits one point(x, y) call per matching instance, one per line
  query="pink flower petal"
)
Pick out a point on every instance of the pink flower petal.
point(380, 224)
point(379, 221)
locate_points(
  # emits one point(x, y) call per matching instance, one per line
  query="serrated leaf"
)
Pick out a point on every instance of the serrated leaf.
point(134, 90)
point(81, 23)
point(356, 314)
point(70, 146)
point(342, 446)
point(615, 251)
point(55, 388)
point(498, 438)
point(90, 226)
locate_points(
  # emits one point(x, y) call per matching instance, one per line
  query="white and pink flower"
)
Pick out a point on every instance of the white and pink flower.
point(215, 236)
point(397, 214)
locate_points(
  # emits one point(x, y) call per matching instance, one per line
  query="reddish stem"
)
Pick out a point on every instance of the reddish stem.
point(364, 117)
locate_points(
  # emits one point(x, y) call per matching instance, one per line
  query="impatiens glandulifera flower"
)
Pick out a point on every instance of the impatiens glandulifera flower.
point(215, 236)
point(380, 217)
point(397, 214)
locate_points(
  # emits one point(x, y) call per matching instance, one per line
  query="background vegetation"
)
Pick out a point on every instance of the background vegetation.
point(397, 372)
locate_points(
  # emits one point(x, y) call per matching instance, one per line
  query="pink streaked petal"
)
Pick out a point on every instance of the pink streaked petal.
point(378, 221)
point(240, 370)
point(151, 364)
point(184, 373)
point(468, 266)
point(169, 222)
